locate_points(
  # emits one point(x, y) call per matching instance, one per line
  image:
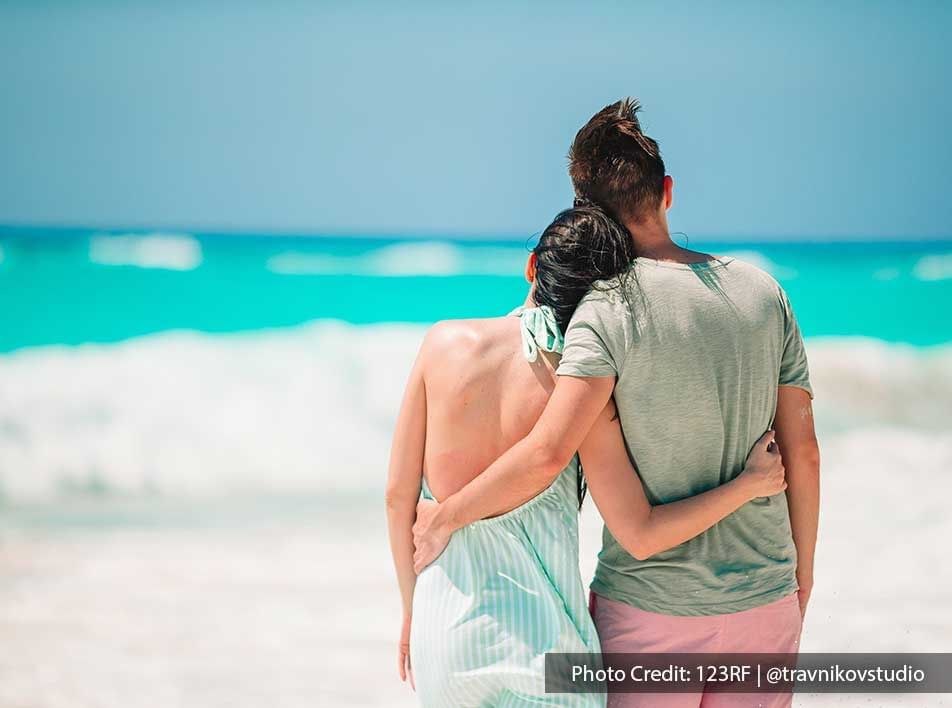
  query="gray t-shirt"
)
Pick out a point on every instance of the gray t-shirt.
point(699, 351)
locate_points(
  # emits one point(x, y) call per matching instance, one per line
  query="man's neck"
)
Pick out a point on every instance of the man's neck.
point(652, 240)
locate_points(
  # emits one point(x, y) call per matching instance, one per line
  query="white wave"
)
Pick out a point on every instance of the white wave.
point(432, 258)
point(756, 258)
point(156, 250)
point(311, 409)
point(189, 414)
point(864, 382)
point(934, 267)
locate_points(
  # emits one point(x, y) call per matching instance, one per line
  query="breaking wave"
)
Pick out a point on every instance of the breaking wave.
point(311, 409)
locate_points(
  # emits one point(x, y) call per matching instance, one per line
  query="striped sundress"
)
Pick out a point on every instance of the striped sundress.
point(506, 591)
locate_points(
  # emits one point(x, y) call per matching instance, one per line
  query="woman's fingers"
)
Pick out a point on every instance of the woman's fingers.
point(404, 666)
point(401, 664)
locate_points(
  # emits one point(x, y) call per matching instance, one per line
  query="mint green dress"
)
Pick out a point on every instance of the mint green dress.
point(506, 591)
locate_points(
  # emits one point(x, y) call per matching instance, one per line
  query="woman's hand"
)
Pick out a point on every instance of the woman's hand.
point(429, 536)
point(403, 653)
point(763, 475)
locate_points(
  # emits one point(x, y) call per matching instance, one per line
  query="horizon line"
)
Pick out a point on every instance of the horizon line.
point(9, 229)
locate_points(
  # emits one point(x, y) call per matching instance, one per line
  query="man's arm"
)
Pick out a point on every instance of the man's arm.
point(523, 471)
point(796, 438)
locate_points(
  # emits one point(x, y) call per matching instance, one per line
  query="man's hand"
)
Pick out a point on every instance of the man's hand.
point(429, 536)
point(803, 594)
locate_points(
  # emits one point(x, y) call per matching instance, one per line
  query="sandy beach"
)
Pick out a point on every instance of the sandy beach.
point(303, 611)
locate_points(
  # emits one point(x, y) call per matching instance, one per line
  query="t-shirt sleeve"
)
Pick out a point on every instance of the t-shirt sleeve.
point(590, 349)
point(794, 370)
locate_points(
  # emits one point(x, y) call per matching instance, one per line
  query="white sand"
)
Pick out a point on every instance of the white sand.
point(249, 610)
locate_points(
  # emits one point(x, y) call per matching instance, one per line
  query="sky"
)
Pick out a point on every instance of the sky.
point(777, 120)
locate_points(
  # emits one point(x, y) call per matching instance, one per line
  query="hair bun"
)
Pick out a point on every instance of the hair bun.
point(581, 202)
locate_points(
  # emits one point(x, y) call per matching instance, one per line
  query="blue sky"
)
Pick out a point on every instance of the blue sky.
point(794, 120)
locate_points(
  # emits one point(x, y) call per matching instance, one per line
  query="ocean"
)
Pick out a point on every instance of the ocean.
point(194, 432)
point(72, 287)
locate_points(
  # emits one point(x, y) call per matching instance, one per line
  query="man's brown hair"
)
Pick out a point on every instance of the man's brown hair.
point(615, 165)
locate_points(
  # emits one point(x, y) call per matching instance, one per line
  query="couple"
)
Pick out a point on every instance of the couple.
point(657, 379)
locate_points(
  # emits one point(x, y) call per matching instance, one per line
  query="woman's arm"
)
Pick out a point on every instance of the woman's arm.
point(644, 530)
point(403, 490)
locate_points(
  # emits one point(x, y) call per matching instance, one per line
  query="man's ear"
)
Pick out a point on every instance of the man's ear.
point(531, 268)
point(668, 191)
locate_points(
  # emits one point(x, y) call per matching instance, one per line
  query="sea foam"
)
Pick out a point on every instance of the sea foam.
point(934, 267)
point(311, 409)
point(154, 250)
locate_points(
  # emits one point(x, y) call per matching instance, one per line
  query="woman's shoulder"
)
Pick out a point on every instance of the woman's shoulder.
point(464, 335)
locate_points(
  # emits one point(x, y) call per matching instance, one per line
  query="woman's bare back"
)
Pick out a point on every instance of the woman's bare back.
point(482, 397)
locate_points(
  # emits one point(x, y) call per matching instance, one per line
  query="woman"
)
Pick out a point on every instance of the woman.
point(507, 590)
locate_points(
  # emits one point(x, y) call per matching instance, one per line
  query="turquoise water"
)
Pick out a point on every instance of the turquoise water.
point(69, 287)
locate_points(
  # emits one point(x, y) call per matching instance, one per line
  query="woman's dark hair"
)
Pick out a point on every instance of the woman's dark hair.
point(582, 245)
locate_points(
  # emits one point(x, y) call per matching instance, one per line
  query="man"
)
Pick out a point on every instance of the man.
point(701, 354)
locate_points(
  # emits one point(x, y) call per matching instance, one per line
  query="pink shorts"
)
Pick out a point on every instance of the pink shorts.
point(772, 628)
